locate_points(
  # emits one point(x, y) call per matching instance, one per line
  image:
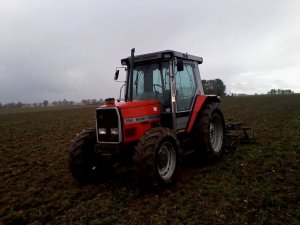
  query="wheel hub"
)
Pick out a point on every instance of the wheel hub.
point(166, 160)
point(216, 134)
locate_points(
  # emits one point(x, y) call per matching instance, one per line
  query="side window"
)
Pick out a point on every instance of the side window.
point(185, 88)
point(138, 84)
point(157, 79)
point(161, 81)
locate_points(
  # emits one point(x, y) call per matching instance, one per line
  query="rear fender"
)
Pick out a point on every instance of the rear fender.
point(197, 107)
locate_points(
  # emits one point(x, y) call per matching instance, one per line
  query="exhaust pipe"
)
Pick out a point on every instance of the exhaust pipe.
point(130, 74)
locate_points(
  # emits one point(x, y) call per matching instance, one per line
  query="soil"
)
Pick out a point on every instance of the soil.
point(256, 184)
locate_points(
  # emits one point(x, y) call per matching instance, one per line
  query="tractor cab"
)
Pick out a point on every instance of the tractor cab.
point(170, 77)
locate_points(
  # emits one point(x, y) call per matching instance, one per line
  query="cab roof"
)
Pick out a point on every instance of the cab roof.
point(166, 54)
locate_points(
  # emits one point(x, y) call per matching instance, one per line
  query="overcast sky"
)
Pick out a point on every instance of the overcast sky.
point(68, 49)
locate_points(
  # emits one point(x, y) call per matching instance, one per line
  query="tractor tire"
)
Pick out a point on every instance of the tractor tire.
point(85, 165)
point(157, 157)
point(209, 132)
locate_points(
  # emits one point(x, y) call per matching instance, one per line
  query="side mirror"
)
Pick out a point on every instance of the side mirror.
point(116, 75)
point(179, 65)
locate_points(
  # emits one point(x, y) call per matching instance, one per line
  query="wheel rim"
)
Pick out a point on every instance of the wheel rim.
point(216, 133)
point(166, 160)
point(92, 167)
point(95, 166)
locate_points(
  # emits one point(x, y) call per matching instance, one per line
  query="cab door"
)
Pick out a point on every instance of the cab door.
point(186, 90)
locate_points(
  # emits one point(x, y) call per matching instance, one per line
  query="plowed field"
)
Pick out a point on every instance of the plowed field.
point(257, 184)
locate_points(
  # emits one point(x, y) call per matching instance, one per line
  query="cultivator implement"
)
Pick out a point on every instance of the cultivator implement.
point(236, 134)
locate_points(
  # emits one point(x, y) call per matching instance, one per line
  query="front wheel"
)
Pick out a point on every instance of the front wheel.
point(85, 165)
point(157, 157)
point(209, 132)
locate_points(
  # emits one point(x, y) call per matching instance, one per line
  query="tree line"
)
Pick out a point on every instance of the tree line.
point(217, 87)
point(210, 87)
point(92, 101)
point(46, 103)
point(214, 87)
point(280, 92)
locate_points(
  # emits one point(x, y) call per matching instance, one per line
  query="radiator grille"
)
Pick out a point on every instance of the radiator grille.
point(108, 125)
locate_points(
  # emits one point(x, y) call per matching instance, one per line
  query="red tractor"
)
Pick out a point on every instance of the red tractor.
point(164, 116)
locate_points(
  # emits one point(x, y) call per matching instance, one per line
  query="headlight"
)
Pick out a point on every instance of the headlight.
point(114, 131)
point(102, 131)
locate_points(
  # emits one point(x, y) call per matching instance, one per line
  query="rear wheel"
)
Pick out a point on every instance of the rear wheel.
point(85, 165)
point(157, 157)
point(209, 132)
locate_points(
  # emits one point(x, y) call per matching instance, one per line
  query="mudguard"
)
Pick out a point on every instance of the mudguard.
point(198, 105)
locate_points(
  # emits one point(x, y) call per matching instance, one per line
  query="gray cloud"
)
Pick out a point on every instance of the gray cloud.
point(69, 49)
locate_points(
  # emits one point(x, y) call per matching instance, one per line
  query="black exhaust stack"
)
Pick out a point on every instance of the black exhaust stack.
point(130, 74)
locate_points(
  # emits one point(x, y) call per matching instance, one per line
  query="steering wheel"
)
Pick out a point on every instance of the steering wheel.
point(158, 85)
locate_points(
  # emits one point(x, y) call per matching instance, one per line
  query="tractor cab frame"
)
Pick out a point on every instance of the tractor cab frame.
point(169, 76)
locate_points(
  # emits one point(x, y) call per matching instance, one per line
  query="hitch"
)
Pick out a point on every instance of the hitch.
point(236, 134)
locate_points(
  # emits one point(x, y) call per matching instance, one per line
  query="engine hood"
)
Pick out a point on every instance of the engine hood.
point(132, 104)
point(136, 117)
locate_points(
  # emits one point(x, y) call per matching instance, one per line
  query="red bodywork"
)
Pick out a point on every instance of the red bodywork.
point(137, 117)
point(200, 99)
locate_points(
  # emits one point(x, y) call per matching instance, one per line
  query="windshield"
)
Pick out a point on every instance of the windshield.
point(151, 81)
